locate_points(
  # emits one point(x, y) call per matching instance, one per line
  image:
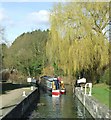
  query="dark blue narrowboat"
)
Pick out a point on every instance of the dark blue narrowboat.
point(46, 83)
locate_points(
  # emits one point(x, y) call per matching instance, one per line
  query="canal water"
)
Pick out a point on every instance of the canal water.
point(66, 106)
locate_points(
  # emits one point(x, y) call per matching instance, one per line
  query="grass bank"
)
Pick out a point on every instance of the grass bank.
point(102, 93)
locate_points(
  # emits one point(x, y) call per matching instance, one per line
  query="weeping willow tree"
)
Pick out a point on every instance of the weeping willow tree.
point(78, 38)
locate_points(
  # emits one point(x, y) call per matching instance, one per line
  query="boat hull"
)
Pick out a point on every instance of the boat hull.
point(56, 93)
point(63, 91)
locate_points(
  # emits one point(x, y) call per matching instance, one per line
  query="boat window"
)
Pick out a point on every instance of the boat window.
point(49, 84)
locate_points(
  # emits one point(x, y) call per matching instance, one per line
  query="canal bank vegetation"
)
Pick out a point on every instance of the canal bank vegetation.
point(26, 56)
point(102, 92)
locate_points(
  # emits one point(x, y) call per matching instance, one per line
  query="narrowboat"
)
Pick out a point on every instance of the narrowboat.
point(46, 83)
point(50, 85)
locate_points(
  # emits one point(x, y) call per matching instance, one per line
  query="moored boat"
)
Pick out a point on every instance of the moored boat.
point(46, 83)
point(52, 86)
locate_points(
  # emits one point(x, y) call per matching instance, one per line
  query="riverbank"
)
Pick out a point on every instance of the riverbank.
point(102, 93)
point(12, 98)
point(95, 108)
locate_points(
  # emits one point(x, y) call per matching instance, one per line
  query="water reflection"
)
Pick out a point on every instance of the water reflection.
point(56, 103)
point(66, 106)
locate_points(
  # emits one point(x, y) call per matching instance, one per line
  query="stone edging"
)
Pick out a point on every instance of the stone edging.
point(20, 109)
point(96, 109)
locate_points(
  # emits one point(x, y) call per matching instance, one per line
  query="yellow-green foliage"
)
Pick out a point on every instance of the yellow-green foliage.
point(77, 39)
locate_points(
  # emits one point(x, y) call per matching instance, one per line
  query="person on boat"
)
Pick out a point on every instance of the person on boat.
point(56, 82)
point(53, 85)
point(59, 79)
point(62, 85)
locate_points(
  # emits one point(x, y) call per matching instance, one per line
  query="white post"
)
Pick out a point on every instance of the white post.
point(24, 94)
point(85, 88)
point(81, 88)
point(90, 87)
point(32, 88)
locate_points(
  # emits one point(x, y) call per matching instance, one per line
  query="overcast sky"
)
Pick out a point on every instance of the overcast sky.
point(20, 17)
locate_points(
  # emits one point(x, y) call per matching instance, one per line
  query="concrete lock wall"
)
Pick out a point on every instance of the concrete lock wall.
point(19, 110)
point(96, 109)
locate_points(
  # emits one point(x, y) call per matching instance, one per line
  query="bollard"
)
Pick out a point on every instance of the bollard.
point(32, 88)
point(81, 88)
point(24, 94)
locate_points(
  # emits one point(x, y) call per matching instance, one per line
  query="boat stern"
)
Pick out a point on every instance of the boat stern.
point(56, 93)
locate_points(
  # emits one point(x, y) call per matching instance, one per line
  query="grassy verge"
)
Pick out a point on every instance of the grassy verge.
point(102, 93)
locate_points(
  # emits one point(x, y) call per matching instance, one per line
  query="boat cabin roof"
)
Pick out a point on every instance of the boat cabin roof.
point(49, 78)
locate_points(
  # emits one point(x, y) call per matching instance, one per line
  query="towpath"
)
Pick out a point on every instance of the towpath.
point(9, 100)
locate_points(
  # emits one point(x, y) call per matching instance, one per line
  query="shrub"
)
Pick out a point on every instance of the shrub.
point(106, 77)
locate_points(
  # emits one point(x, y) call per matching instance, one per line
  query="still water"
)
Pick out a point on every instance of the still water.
point(66, 106)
